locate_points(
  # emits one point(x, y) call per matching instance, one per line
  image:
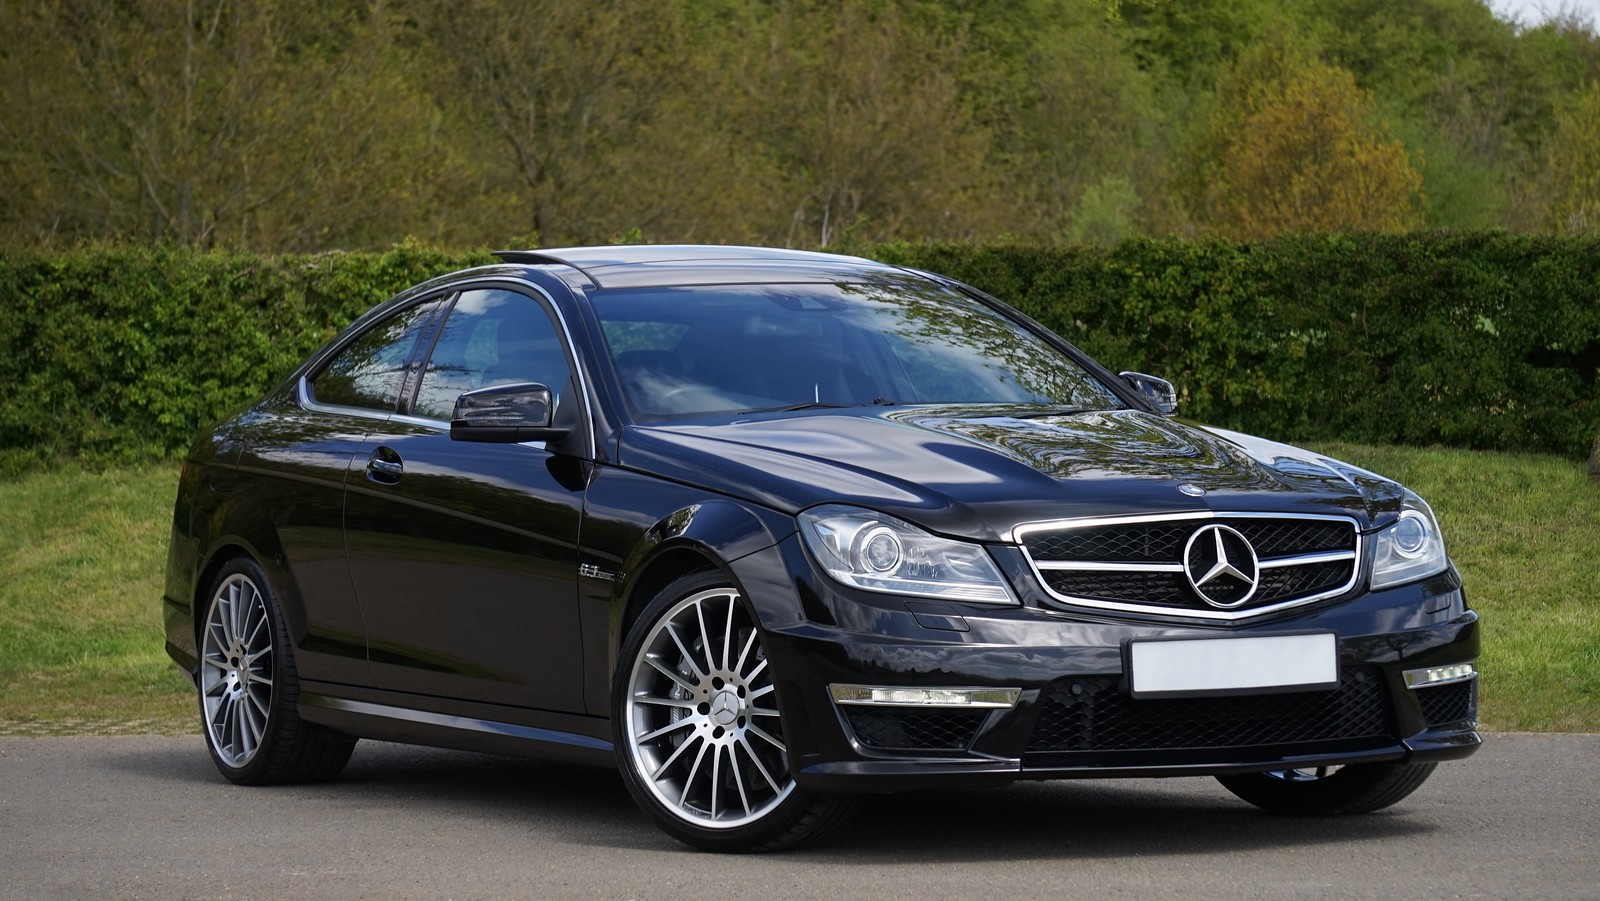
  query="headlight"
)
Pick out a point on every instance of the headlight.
point(1410, 549)
point(880, 553)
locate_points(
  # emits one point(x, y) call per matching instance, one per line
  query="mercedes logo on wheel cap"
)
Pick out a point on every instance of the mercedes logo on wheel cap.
point(1221, 566)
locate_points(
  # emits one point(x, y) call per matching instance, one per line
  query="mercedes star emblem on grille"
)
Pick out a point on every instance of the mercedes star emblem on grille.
point(1221, 566)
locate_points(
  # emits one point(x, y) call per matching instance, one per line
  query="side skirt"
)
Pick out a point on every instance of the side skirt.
point(562, 737)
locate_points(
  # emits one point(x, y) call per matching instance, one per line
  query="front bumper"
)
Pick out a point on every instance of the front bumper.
point(1073, 717)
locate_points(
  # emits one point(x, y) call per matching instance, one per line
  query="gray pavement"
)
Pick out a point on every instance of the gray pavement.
point(148, 817)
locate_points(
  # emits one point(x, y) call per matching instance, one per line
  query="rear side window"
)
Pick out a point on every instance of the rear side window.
point(367, 373)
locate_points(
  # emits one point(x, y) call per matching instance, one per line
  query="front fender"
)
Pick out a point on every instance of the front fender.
point(640, 533)
point(718, 531)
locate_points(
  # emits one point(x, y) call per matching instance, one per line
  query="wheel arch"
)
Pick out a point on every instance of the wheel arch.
point(702, 536)
point(243, 529)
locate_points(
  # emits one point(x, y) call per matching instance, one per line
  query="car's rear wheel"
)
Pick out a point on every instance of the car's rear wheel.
point(1326, 791)
point(249, 689)
point(699, 738)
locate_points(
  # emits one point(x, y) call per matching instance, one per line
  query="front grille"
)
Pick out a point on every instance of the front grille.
point(1088, 721)
point(914, 729)
point(1139, 564)
point(1444, 705)
point(1166, 589)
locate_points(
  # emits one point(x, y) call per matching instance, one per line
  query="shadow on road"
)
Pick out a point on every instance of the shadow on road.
point(1026, 821)
point(1084, 819)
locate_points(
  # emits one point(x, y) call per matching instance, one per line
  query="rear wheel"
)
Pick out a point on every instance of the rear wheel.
point(699, 738)
point(249, 689)
point(1325, 791)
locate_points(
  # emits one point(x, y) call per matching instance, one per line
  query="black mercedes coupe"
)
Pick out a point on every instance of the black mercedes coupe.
point(767, 530)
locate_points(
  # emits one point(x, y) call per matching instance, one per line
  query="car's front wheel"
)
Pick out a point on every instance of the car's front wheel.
point(249, 689)
point(699, 738)
point(1326, 791)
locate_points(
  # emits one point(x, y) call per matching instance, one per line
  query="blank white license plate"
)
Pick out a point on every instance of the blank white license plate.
point(1256, 665)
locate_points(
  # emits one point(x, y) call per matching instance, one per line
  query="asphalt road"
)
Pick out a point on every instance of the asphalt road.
point(148, 817)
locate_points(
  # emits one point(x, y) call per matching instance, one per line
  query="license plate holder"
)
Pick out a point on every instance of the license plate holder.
point(1263, 664)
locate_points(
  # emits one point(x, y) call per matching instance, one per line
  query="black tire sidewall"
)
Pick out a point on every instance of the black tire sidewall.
point(1358, 788)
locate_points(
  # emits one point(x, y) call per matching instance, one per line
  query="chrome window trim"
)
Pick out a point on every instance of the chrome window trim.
point(304, 399)
point(304, 388)
point(1019, 533)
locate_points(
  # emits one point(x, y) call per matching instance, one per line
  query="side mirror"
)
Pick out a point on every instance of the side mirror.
point(507, 414)
point(1158, 392)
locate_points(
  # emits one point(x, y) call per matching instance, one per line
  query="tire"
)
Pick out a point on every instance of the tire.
point(1325, 791)
point(696, 727)
point(249, 689)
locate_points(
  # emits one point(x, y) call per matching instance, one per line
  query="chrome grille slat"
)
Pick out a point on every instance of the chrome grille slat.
point(1135, 563)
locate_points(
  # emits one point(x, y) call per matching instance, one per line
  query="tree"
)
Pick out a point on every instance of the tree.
point(1572, 166)
point(1077, 128)
point(860, 117)
point(1292, 144)
point(257, 124)
point(589, 121)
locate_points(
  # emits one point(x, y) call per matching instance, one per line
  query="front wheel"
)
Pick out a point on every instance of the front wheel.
point(698, 734)
point(1328, 791)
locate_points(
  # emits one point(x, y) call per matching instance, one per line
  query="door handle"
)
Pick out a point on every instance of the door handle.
point(385, 466)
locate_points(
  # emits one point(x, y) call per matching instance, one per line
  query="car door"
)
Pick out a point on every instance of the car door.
point(464, 554)
point(297, 453)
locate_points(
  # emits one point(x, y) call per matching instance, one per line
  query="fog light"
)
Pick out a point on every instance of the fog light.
point(1440, 675)
point(925, 697)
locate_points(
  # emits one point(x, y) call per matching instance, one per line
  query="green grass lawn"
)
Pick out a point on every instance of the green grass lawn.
point(1525, 532)
point(81, 558)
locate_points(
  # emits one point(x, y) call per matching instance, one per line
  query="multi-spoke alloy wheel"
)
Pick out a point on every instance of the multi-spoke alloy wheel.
point(700, 739)
point(1327, 790)
point(249, 689)
point(236, 670)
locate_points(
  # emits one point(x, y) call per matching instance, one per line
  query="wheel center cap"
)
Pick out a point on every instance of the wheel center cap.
point(724, 708)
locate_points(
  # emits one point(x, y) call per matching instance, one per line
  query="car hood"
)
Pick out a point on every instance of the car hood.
point(976, 472)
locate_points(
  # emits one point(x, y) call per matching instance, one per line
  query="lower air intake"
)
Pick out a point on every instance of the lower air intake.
point(1088, 721)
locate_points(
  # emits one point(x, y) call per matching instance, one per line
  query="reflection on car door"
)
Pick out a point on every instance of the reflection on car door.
point(295, 462)
point(464, 555)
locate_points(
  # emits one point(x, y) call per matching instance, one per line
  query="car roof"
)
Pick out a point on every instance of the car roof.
point(668, 265)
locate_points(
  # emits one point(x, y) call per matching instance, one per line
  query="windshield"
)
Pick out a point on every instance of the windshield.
point(754, 348)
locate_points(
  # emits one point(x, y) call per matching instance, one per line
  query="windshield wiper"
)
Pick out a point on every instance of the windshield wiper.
point(879, 401)
point(790, 408)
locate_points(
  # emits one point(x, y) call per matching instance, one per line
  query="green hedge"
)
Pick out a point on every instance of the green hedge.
point(120, 354)
point(1485, 341)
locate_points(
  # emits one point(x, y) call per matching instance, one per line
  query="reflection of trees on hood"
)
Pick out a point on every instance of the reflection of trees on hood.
point(1133, 444)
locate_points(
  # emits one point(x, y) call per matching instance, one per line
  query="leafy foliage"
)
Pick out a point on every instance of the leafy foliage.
point(1474, 340)
point(304, 125)
point(1482, 341)
point(1573, 166)
point(1292, 145)
point(122, 354)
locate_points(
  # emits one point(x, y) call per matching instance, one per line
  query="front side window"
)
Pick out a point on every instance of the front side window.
point(683, 351)
point(491, 337)
point(367, 373)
